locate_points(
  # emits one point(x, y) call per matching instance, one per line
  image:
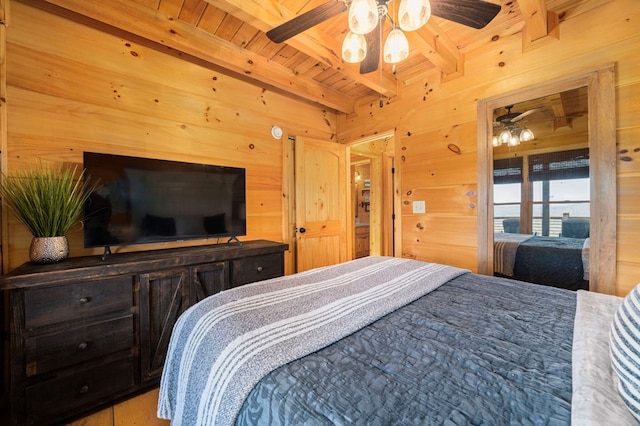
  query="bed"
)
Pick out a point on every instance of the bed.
point(383, 340)
point(557, 261)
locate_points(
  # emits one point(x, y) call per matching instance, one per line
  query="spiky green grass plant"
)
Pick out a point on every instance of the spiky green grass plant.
point(47, 200)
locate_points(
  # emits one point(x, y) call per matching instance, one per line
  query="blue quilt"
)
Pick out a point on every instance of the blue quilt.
point(476, 351)
point(551, 261)
point(221, 347)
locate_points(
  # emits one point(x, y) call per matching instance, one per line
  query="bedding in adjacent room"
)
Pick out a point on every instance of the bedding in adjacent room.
point(556, 261)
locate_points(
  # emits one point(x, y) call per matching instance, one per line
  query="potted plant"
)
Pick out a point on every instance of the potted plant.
point(48, 201)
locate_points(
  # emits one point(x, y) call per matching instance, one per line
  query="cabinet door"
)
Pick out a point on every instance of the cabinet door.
point(164, 295)
point(362, 245)
point(208, 279)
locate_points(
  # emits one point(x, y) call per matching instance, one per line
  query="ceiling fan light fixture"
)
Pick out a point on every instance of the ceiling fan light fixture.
point(413, 14)
point(363, 16)
point(514, 141)
point(526, 135)
point(396, 48)
point(504, 136)
point(354, 48)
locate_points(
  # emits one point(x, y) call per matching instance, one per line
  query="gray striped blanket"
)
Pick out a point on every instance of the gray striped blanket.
point(221, 347)
point(505, 247)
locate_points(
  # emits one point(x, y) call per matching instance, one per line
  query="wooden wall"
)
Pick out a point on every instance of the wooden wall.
point(72, 88)
point(435, 112)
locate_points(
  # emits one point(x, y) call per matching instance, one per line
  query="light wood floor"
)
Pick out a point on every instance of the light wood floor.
point(138, 411)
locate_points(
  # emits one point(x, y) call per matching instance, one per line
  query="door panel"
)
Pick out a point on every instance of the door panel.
point(167, 296)
point(208, 279)
point(321, 203)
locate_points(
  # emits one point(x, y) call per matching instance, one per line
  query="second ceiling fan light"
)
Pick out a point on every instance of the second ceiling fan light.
point(396, 48)
point(363, 18)
point(354, 48)
point(413, 14)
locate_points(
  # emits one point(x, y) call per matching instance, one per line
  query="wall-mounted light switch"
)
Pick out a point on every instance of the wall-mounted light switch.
point(419, 207)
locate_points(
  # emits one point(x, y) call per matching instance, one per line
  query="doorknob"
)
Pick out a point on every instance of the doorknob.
point(302, 230)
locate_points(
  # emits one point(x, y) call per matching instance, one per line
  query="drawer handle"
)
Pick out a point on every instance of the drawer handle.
point(84, 389)
point(82, 346)
point(84, 300)
point(259, 268)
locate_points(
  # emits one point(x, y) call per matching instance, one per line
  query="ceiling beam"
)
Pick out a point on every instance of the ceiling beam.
point(560, 118)
point(152, 25)
point(534, 13)
point(265, 16)
point(439, 49)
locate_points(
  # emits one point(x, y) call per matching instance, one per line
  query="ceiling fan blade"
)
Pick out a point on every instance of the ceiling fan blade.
point(524, 114)
point(307, 20)
point(472, 13)
point(370, 61)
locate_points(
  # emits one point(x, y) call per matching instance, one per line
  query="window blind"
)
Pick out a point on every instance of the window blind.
point(571, 164)
point(507, 170)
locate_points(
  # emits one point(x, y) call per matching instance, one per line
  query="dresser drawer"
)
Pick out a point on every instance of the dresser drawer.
point(65, 396)
point(48, 352)
point(78, 301)
point(257, 268)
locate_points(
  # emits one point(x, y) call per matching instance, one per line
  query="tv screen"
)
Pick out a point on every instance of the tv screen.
point(141, 200)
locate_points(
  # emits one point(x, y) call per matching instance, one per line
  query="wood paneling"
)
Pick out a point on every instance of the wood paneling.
point(439, 168)
point(4, 18)
point(73, 88)
point(231, 35)
point(431, 104)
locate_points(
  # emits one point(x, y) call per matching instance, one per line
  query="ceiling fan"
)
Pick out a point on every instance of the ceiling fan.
point(512, 117)
point(471, 13)
point(507, 131)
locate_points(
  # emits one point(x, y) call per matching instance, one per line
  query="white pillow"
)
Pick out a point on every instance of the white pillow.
point(625, 350)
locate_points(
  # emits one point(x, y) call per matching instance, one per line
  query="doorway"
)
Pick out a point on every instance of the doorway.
point(600, 83)
point(383, 201)
point(372, 197)
point(361, 199)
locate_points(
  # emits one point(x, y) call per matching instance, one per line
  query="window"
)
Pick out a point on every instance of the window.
point(507, 194)
point(558, 200)
point(506, 206)
point(559, 190)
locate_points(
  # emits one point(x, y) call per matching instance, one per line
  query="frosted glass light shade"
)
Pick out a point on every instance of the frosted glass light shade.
point(363, 16)
point(504, 136)
point(396, 48)
point(354, 48)
point(514, 141)
point(413, 14)
point(495, 141)
point(526, 135)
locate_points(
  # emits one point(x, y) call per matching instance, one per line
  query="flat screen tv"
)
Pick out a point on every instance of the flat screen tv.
point(141, 200)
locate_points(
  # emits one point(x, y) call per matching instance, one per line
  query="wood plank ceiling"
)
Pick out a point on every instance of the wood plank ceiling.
point(230, 35)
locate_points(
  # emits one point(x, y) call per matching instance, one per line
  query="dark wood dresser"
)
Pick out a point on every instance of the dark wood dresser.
point(86, 332)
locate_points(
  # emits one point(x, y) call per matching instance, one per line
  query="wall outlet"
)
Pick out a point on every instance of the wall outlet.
point(419, 207)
